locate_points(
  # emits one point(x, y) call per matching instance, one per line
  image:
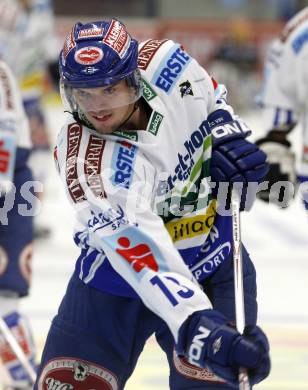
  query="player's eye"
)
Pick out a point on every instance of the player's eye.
point(110, 90)
point(82, 94)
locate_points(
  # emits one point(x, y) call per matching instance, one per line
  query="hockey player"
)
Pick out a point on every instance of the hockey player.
point(16, 203)
point(285, 104)
point(28, 34)
point(135, 160)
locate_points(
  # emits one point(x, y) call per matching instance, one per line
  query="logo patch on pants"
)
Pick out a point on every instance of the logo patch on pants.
point(75, 374)
point(193, 372)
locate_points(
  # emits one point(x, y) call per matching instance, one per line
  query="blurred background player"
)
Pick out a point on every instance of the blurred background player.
point(285, 104)
point(16, 230)
point(28, 45)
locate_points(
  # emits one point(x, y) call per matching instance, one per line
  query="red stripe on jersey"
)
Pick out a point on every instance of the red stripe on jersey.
point(215, 84)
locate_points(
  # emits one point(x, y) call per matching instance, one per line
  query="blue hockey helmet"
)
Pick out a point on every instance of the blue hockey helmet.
point(99, 54)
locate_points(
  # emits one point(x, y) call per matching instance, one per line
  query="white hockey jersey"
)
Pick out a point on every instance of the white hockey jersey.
point(14, 127)
point(285, 90)
point(143, 199)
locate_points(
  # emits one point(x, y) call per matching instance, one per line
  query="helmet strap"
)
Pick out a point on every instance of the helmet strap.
point(129, 116)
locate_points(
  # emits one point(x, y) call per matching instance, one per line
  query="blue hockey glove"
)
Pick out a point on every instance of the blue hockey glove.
point(234, 159)
point(206, 340)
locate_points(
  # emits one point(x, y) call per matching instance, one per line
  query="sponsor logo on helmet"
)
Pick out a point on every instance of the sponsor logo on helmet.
point(69, 374)
point(88, 55)
point(90, 33)
point(69, 44)
point(147, 52)
point(117, 38)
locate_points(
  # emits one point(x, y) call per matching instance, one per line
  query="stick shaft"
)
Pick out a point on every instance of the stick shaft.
point(238, 280)
point(9, 337)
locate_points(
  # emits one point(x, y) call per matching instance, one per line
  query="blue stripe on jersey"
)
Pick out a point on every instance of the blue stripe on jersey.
point(103, 277)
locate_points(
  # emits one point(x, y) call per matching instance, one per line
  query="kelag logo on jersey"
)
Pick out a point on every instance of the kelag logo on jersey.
point(173, 64)
point(123, 161)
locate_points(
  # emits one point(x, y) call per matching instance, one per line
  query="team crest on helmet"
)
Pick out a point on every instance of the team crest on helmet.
point(89, 55)
point(90, 70)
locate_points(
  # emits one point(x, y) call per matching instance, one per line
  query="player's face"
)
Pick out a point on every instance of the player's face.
point(106, 107)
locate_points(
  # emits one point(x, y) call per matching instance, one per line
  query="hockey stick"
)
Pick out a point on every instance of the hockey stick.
point(16, 348)
point(238, 280)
